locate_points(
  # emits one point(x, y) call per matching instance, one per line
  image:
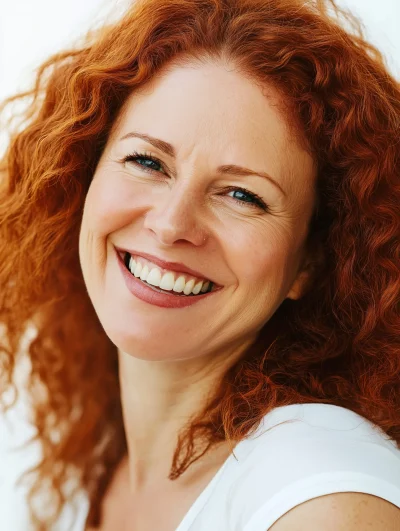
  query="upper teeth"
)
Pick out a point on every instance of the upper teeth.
point(170, 281)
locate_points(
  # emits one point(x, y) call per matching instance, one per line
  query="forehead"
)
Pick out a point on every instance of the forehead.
point(207, 96)
point(213, 109)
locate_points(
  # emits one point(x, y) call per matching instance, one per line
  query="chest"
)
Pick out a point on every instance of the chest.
point(162, 509)
point(163, 512)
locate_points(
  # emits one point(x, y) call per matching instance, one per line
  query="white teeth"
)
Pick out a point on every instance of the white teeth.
point(167, 281)
point(179, 284)
point(138, 269)
point(154, 277)
point(188, 287)
point(144, 273)
point(197, 287)
point(132, 265)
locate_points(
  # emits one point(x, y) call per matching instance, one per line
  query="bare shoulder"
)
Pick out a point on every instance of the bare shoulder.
point(343, 511)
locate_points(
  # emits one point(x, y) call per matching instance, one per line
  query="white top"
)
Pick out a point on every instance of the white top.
point(323, 449)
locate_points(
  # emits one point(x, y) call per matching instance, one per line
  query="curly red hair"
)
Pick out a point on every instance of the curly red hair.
point(339, 344)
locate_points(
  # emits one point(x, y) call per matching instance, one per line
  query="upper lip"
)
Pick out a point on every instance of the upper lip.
point(172, 266)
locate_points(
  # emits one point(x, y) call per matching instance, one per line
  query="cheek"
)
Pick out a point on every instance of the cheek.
point(109, 206)
point(260, 257)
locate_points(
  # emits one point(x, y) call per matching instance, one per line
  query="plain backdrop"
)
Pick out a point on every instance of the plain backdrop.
point(31, 30)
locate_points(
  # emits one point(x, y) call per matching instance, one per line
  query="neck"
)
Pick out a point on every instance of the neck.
point(158, 399)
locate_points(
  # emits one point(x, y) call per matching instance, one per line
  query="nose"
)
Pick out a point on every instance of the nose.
point(174, 216)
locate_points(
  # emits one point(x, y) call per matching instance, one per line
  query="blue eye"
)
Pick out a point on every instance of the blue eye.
point(138, 158)
point(246, 198)
point(252, 199)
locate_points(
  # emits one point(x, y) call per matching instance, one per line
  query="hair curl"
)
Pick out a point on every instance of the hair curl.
point(339, 344)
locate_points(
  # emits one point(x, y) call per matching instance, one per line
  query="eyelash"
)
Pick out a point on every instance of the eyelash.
point(259, 203)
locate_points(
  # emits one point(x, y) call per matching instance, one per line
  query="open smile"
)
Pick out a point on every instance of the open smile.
point(137, 283)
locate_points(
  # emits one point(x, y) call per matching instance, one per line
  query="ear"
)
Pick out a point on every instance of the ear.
point(299, 286)
point(312, 263)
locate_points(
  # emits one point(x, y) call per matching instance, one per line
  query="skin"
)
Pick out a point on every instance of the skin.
point(170, 359)
point(343, 511)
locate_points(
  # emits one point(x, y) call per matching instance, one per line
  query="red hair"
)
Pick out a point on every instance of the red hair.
point(339, 344)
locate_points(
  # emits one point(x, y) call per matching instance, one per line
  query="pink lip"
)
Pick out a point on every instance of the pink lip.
point(172, 266)
point(147, 294)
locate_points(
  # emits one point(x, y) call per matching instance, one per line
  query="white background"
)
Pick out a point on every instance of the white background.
point(30, 30)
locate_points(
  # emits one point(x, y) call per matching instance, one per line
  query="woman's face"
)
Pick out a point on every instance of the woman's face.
point(186, 207)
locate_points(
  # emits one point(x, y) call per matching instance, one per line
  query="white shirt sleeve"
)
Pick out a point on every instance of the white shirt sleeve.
point(319, 456)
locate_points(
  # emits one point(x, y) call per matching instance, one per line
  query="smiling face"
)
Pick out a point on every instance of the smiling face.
point(185, 202)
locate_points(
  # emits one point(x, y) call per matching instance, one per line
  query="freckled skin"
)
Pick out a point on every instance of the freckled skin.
point(186, 215)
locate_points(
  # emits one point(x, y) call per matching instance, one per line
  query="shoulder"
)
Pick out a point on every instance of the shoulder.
point(320, 416)
point(320, 425)
point(311, 457)
point(345, 511)
point(320, 428)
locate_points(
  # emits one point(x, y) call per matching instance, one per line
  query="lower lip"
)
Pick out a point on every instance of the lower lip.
point(147, 294)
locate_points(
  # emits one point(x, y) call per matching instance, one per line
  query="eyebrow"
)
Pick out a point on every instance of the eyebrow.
point(229, 169)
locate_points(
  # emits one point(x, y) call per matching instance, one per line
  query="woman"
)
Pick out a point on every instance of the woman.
point(200, 220)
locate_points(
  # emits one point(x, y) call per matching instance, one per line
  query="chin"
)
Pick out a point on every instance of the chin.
point(143, 345)
point(141, 334)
